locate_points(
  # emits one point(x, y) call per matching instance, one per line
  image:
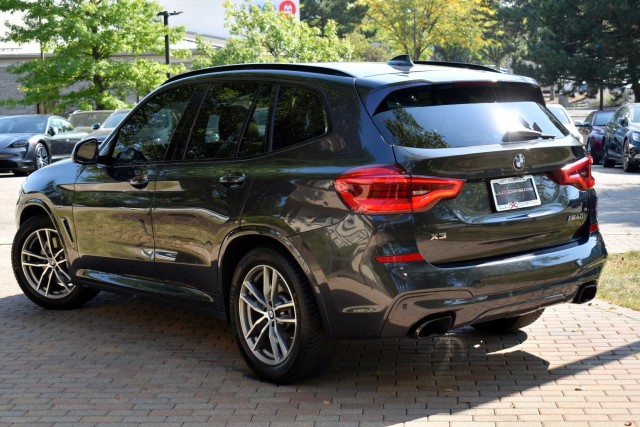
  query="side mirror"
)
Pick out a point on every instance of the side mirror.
point(96, 126)
point(85, 152)
point(53, 130)
point(623, 121)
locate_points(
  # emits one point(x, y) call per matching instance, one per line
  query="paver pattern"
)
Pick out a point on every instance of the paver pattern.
point(124, 361)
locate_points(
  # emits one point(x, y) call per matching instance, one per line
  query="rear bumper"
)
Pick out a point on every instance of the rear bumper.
point(413, 291)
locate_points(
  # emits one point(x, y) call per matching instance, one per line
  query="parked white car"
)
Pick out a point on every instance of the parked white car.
point(561, 114)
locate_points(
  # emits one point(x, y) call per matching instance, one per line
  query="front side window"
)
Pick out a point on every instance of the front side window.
point(442, 116)
point(147, 134)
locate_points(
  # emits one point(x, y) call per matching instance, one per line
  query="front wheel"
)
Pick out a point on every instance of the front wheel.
point(40, 265)
point(275, 317)
point(509, 324)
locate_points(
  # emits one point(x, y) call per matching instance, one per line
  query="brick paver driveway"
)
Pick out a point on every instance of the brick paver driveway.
point(124, 361)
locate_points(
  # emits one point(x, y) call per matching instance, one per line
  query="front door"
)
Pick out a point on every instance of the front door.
point(113, 199)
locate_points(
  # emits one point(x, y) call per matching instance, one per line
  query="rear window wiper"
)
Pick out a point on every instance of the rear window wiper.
point(525, 135)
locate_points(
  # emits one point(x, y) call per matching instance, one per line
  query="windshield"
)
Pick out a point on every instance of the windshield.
point(23, 125)
point(114, 120)
point(603, 117)
point(437, 117)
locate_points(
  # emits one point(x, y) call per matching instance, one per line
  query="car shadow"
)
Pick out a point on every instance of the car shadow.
point(126, 349)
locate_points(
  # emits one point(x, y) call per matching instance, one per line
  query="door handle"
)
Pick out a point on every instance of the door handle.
point(232, 180)
point(139, 181)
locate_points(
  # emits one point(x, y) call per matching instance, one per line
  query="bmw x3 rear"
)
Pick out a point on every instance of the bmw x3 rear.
point(307, 203)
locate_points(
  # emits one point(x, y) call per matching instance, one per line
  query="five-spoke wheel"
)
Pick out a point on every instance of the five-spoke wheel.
point(275, 317)
point(40, 266)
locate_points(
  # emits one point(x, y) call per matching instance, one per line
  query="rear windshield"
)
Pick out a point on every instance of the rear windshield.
point(442, 116)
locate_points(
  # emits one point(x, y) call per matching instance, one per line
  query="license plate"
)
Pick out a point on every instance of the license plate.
point(514, 193)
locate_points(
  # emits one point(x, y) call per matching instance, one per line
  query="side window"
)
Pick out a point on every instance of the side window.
point(56, 124)
point(65, 126)
point(255, 137)
point(147, 134)
point(299, 117)
point(221, 121)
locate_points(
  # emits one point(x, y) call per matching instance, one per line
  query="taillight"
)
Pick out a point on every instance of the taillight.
point(577, 174)
point(389, 189)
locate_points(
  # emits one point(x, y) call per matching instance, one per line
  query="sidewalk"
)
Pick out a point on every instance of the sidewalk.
point(122, 361)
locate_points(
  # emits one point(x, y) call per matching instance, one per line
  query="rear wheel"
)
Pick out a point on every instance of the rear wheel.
point(628, 164)
point(275, 317)
point(509, 324)
point(40, 266)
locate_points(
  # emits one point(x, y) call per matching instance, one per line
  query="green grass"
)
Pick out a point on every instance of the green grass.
point(620, 280)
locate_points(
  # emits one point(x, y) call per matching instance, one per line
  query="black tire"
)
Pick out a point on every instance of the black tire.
point(39, 263)
point(20, 173)
point(41, 156)
point(508, 324)
point(606, 161)
point(628, 165)
point(280, 336)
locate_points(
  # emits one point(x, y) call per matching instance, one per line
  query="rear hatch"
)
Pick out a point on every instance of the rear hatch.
point(525, 180)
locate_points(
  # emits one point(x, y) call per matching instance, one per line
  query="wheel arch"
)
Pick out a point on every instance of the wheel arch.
point(33, 208)
point(235, 247)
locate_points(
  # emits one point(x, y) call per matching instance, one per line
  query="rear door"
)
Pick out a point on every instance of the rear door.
point(200, 195)
point(509, 150)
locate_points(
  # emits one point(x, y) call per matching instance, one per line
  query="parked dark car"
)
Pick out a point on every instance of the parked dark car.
point(31, 142)
point(311, 202)
point(592, 130)
point(622, 139)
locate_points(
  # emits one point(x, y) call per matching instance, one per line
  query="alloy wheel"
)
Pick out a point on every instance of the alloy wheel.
point(42, 157)
point(44, 264)
point(267, 315)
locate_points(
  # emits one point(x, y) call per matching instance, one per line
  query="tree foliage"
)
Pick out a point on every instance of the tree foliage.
point(88, 44)
point(266, 35)
point(416, 26)
point(346, 14)
point(581, 40)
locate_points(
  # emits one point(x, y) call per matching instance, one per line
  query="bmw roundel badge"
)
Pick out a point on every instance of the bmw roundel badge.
point(518, 162)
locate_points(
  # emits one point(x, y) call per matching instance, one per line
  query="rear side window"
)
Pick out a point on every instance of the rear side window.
point(299, 116)
point(442, 116)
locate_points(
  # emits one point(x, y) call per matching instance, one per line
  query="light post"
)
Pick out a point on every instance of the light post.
point(167, 54)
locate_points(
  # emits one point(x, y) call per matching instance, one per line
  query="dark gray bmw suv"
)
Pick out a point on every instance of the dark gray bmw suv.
point(312, 202)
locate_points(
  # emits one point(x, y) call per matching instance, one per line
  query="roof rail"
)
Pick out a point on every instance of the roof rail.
point(319, 69)
point(457, 65)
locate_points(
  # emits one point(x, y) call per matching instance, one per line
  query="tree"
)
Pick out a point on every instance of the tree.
point(270, 36)
point(346, 14)
point(416, 26)
point(582, 40)
point(88, 41)
point(502, 30)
